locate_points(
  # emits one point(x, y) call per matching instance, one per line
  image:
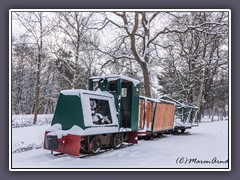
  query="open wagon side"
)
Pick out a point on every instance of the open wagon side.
point(155, 117)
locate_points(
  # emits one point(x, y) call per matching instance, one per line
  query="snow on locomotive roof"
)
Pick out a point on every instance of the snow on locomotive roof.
point(115, 77)
point(78, 92)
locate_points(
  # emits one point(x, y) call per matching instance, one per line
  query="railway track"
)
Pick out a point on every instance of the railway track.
point(83, 155)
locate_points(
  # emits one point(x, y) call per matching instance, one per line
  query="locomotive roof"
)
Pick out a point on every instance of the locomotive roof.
point(78, 92)
point(115, 77)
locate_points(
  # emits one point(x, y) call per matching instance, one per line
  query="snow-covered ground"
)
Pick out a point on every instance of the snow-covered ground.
point(203, 145)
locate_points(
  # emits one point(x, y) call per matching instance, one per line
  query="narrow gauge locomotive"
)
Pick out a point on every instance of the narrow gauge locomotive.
point(110, 113)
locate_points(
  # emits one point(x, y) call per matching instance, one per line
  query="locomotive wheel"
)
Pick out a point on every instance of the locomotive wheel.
point(95, 145)
point(183, 130)
point(116, 140)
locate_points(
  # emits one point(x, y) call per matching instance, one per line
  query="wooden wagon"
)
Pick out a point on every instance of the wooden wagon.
point(155, 117)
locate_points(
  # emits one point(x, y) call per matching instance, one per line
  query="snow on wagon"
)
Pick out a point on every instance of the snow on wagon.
point(109, 114)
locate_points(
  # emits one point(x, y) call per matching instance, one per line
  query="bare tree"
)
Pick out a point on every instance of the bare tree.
point(143, 33)
point(23, 73)
point(74, 28)
point(199, 54)
point(36, 30)
point(137, 38)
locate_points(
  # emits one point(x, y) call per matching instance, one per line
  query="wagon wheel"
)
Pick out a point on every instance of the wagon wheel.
point(116, 140)
point(95, 145)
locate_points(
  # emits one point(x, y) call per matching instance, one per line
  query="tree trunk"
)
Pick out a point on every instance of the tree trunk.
point(142, 64)
point(146, 80)
point(75, 75)
point(37, 90)
point(201, 95)
point(38, 72)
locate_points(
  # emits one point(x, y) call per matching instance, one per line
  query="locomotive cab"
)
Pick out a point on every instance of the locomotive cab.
point(126, 95)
